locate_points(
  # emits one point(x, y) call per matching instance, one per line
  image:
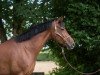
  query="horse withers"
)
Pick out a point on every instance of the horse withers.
point(18, 55)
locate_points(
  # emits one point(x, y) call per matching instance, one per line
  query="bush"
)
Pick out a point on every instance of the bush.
point(44, 57)
point(83, 23)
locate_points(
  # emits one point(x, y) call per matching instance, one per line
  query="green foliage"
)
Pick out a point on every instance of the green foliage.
point(82, 22)
point(44, 57)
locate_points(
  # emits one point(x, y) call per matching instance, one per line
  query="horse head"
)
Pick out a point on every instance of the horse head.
point(60, 34)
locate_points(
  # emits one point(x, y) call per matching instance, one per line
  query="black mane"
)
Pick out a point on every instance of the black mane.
point(32, 31)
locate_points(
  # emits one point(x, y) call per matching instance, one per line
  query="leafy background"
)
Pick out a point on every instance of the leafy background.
point(82, 22)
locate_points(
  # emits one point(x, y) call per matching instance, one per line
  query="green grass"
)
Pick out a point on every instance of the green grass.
point(44, 57)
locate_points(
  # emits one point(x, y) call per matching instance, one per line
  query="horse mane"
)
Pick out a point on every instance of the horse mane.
point(33, 30)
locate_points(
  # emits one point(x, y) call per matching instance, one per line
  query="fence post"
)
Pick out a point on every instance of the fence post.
point(37, 73)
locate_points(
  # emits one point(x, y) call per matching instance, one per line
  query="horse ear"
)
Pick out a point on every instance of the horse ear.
point(60, 19)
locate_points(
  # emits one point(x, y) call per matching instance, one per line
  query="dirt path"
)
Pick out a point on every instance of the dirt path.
point(44, 66)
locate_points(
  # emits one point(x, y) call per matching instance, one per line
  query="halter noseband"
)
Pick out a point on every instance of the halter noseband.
point(60, 34)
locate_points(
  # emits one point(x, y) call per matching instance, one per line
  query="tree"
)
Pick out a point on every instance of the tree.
point(2, 32)
point(3, 36)
point(82, 21)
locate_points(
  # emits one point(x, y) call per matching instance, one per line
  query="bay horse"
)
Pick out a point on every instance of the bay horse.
point(18, 55)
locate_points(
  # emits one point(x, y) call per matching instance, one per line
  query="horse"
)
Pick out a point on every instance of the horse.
point(18, 55)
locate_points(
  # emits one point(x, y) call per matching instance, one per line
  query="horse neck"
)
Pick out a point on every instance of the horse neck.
point(35, 44)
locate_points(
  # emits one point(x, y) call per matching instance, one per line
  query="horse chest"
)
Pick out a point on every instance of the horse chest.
point(29, 63)
point(24, 63)
point(30, 68)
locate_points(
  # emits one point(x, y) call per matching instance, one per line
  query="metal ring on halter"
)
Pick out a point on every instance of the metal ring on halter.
point(63, 53)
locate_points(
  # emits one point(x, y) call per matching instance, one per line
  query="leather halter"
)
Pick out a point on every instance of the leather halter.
point(63, 53)
point(56, 33)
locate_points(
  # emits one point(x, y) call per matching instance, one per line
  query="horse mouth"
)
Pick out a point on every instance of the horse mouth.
point(70, 47)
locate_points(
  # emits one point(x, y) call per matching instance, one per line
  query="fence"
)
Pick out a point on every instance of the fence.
point(38, 73)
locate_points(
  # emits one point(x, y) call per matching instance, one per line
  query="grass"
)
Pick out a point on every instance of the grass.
point(44, 57)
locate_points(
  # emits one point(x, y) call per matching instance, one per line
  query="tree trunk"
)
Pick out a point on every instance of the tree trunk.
point(3, 36)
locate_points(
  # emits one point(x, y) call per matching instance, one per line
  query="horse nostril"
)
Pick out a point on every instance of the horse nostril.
point(70, 47)
point(73, 45)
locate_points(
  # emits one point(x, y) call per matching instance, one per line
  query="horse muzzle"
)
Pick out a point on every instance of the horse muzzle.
point(70, 47)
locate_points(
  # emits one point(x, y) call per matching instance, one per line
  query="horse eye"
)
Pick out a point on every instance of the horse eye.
point(59, 22)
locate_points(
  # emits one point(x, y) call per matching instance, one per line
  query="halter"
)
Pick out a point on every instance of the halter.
point(56, 33)
point(63, 53)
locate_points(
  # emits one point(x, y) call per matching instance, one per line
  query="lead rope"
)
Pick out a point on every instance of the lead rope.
point(63, 53)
